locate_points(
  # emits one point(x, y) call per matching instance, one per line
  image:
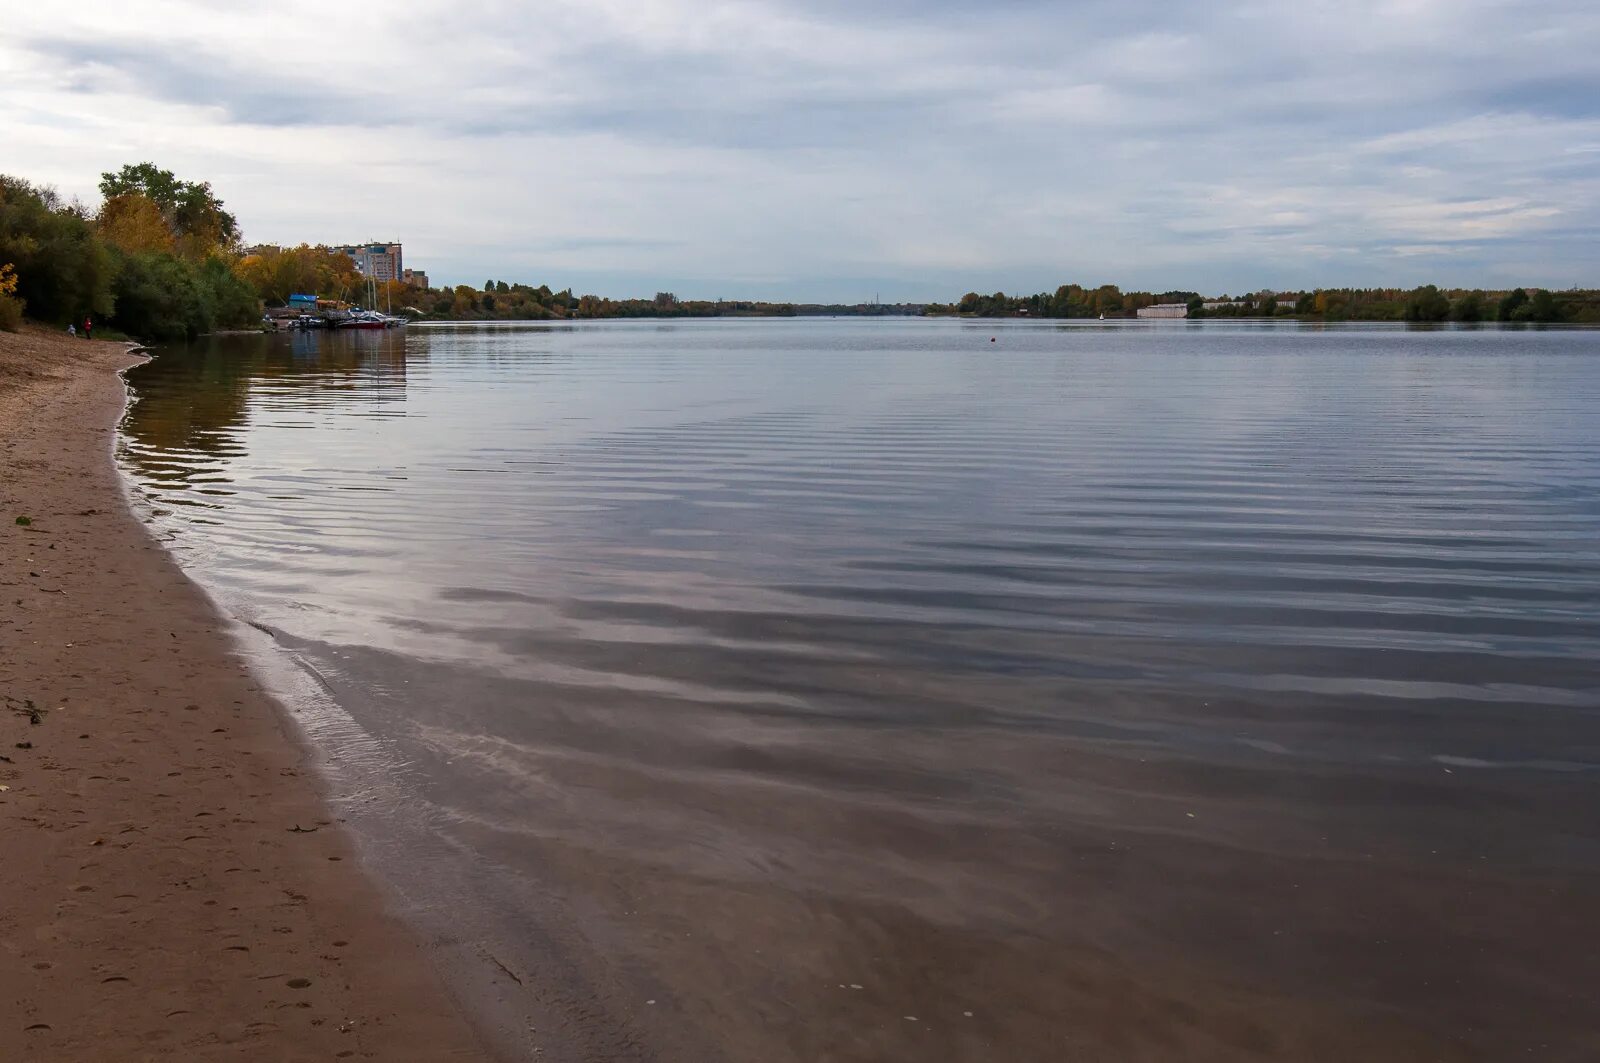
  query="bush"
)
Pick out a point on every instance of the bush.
point(164, 297)
point(234, 303)
point(10, 306)
point(158, 299)
point(63, 268)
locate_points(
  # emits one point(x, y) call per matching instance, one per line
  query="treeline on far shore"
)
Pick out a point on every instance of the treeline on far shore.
point(503, 301)
point(161, 259)
point(1428, 303)
point(500, 300)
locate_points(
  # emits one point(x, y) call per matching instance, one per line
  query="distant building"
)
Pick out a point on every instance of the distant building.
point(1165, 310)
point(380, 262)
point(1218, 304)
point(416, 278)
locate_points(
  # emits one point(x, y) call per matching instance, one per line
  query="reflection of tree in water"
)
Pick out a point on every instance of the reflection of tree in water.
point(193, 400)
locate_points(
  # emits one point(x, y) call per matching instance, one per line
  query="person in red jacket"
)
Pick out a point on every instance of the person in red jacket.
point(88, 329)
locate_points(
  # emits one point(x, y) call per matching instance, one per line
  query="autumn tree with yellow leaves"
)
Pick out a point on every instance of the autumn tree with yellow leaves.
point(279, 272)
point(191, 213)
point(10, 306)
point(134, 223)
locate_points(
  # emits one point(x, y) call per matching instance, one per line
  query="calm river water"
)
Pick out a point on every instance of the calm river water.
point(872, 690)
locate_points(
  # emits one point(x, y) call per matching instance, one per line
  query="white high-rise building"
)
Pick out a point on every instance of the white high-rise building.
point(381, 262)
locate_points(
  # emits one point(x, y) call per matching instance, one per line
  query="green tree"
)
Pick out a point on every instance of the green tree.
point(1468, 308)
point(163, 297)
point(1427, 303)
point(63, 269)
point(1542, 307)
point(1511, 304)
point(158, 299)
point(234, 303)
point(1107, 299)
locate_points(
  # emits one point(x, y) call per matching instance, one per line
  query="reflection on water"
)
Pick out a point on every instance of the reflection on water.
point(854, 691)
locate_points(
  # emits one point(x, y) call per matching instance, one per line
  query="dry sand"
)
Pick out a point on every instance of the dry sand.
point(171, 885)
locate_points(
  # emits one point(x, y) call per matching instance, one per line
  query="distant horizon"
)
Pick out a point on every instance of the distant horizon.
point(1045, 289)
point(908, 290)
point(647, 290)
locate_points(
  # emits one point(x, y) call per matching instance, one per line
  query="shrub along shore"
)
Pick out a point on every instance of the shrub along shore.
point(155, 261)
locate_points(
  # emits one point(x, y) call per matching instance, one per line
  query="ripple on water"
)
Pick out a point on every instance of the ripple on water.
point(1141, 692)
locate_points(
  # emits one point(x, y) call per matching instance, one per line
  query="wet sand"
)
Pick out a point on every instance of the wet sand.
point(173, 884)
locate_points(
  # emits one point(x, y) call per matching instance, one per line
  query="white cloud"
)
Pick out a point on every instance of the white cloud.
point(822, 150)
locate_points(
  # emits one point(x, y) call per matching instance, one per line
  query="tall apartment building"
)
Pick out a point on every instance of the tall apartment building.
point(381, 262)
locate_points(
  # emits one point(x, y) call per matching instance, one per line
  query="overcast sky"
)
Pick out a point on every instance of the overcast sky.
point(834, 150)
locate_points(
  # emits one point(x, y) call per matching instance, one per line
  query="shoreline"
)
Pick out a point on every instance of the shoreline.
point(176, 883)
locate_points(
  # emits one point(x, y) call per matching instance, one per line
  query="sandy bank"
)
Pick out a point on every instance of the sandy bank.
point(172, 886)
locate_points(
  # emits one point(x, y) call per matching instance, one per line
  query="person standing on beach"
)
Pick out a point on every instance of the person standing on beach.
point(88, 329)
point(72, 330)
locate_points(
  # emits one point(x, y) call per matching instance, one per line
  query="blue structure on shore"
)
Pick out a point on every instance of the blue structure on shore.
point(306, 304)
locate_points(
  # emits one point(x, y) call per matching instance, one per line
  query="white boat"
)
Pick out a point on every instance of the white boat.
point(370, 319)
point(363, 319)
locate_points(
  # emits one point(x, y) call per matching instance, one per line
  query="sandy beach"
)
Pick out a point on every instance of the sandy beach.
point(174, 885)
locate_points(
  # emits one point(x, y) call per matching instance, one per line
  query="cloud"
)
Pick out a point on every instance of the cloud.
point(832, 149)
